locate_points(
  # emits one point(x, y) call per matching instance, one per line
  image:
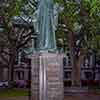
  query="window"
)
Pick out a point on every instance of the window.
point(88, 75)
point(67, 75)
point(69, 59)
point(20, 75)
point(86, 62)
point(64, 61)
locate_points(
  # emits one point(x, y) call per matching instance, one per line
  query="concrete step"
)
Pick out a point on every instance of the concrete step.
point(75, 90)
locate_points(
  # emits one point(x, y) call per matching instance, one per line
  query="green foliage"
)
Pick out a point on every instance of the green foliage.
point(70, 14)
point(92, 23)
point(93, 6)
point(86, 16)
point(69, 17)
point(10, 8)
point(59, 1)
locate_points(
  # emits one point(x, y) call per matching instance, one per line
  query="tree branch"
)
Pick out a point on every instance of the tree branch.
point(29, 33)
point(7, 53)
point(4, 58)
point(24, 42)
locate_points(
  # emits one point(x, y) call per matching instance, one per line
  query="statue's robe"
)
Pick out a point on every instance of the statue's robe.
point(46, 37)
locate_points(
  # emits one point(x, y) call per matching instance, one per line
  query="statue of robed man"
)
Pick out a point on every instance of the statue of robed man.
point(46, 28)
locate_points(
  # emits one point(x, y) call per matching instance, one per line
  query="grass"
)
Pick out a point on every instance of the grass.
point(13, 92)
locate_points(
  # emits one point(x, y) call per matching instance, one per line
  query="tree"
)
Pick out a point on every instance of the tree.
point(91, 28)
point(82, 23)
point(15, 36)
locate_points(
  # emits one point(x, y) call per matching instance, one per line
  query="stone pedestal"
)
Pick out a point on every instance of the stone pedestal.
point(47, 77)
point(75, 90)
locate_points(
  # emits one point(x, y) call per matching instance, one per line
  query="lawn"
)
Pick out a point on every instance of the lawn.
point(13, 92)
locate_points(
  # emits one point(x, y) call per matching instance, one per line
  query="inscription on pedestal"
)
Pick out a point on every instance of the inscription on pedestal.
point(55, 83)
point(50, 87)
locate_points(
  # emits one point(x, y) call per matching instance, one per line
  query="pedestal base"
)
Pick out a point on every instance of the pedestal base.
point(47, 77)
point(75, 90)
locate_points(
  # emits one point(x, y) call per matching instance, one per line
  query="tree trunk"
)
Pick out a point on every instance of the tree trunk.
point(76, 73)
point(93, 63)
point(76, 70)
point(1, 73)
point(11, 66)
point(75, 60)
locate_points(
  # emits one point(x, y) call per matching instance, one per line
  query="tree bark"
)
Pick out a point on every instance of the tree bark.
point(1, 73)
point(75, 60)
point(76, 70)
point(11, 66)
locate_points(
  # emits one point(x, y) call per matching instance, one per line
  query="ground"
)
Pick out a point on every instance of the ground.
point(83, 97)
point(22, 94)
point(16, 98)
point(13, 92)
point(70, 97)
